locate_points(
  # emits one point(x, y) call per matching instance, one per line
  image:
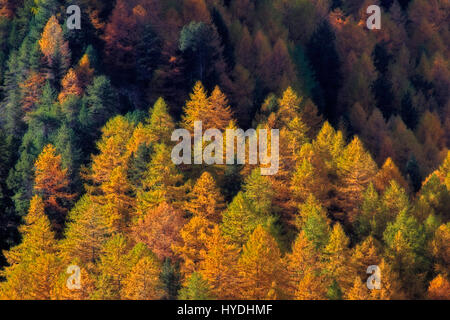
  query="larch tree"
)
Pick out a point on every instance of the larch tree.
point(364, 255)
point(62, 292)
point(143, 283)
point(356, 169)
point(52, 183)
point(240, 219)
point(337, 255)
point(116, 262)
point(162, 182)
point(219, 113)
point(440, 248)
point(389, 172)
point(70, 86)
point(196, 107)
point(32, 89)
point(195, 237)
point(112, 150)
point(55, 50)
point(303, 260)
point(358, 291)
point(33, 265)
point(160, 122)
point(196, 288)
point(218, 266)
point(312, 287)
point(213, 111)
point(260, 267)
point(390, 284)
point(314, 223)
point(86, 232)
point(439, 288)
point(159, 229)
point(85, 73)
point(309, 178)
point(118, 204)
point(205, 199)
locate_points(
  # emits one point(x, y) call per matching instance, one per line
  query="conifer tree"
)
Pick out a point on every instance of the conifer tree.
point(260, 267)
point(70, 86)
point(116, 262)
point(440, 248)
point(240, 219)
point(84, 72)
point(52, 183)
point(116, 200)
point(62, 292)
point(439, 289)
point(389, 172)
point(303, 260)
point(112, 146)
point(314, 223)
point(218, 266)
point(312, 287)
point(160, 122)
point(143, 283)
point(159, 229)
point(86, 232)
point(196, 107)
point(196, 288)
point(359, 291)
point(337, 256)
point(390, 284)
point(162, 182)
point(205, 199)
point(364, 255)
point(33, 265)
point(55, 49)
point(195, 235)
point(356, 169)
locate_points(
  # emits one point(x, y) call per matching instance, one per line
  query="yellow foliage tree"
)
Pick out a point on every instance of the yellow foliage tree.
point(143, 282)
point(260, 267)
point(205, 199)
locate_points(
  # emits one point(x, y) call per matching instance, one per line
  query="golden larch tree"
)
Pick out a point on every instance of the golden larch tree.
point(52, 183)
point(143, 282)
point(33, 265)
point(205, 199)
point(218, 266)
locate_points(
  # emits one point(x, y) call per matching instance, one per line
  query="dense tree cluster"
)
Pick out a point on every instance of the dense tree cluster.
point(86, 176)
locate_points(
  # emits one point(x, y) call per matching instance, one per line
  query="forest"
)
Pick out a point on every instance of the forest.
point(87, 180)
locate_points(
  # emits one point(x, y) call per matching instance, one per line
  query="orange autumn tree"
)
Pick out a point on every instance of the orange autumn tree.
point(260, 267)
point(389, 172)
point(52, 183)
point(84, 72)
point(218, 266)
point(206, 200)
point(439, 288)
point(70, 86)
point(55, 49)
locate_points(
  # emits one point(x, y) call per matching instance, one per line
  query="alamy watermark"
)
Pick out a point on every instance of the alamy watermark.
point(213, 142)
point(374, 281)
